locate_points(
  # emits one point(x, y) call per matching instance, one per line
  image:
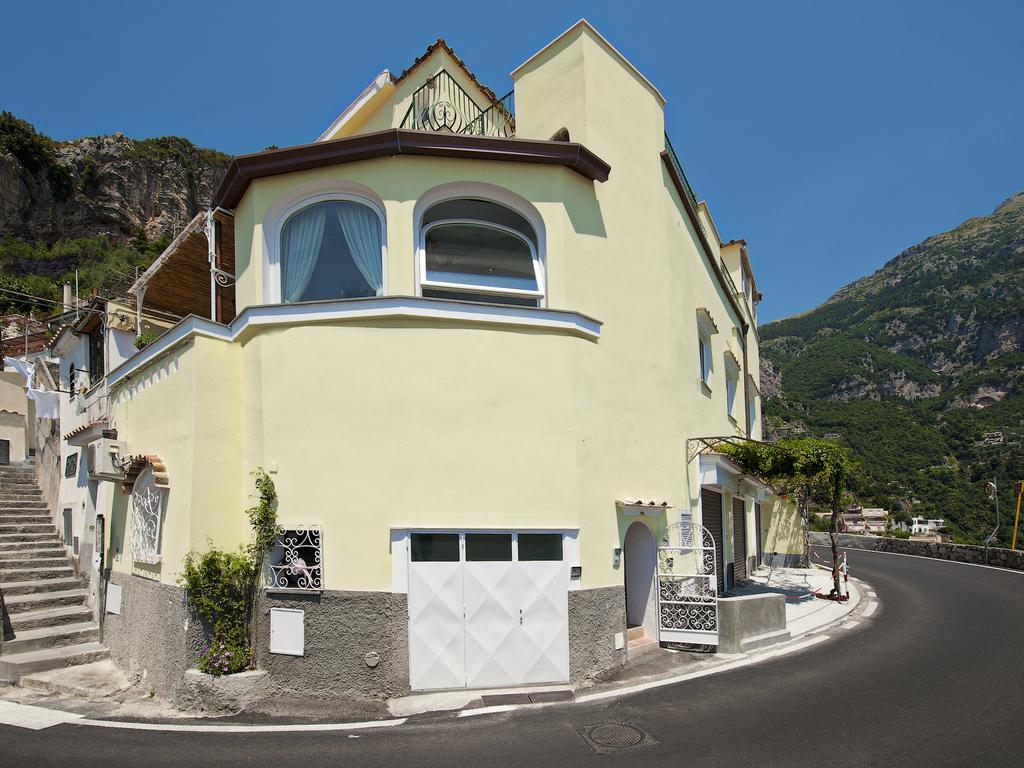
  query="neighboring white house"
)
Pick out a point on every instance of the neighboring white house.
point(926, 525)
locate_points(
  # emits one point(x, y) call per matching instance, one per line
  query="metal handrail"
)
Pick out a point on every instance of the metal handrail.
point(442, 105)
point(679, 169)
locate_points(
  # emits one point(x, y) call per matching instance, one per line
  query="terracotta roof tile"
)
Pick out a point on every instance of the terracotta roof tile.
point(440, 43)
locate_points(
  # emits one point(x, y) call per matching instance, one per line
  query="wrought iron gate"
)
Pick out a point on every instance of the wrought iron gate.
point(687, 586)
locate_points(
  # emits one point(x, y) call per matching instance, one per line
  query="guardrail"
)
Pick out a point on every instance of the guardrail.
point(959, 553)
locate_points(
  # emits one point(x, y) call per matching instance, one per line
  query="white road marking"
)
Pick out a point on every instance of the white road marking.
point(849, 624)
point(34, 718)
point(869, 610)
point(630, 689)
point(488, 710)
point(242, 728)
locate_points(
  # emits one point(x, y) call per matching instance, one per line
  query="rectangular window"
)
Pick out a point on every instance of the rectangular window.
point(489, 547)
point(435, 547)
point(95, 355)
point(540, 546)
point(294, 561)
point(704, 348)
point(731, 382)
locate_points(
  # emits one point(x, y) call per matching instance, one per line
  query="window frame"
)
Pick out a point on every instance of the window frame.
point(538, 265)
point(137, 551)
point(704, 357)
point(272, 287)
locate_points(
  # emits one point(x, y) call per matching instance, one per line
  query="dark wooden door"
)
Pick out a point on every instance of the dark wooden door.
point(739, 539)
point(5, 451)
point(711, 515)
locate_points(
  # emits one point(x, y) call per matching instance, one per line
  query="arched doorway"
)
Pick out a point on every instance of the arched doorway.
point(641, 555)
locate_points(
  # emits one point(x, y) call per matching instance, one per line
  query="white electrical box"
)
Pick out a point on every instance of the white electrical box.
point(288, 631)
point(103, 459)
point(113, 599)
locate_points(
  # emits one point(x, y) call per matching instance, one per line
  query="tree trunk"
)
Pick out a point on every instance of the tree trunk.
point(836, 592)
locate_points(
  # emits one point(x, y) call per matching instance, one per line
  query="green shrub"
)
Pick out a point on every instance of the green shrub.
point(221, 587)
point(36, 152)
point(145, 338)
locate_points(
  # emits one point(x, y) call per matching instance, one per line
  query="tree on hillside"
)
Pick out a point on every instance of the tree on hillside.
point(820, 467)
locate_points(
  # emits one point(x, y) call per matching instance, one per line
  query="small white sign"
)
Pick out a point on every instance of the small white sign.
point(114, 598)
point(288, 631)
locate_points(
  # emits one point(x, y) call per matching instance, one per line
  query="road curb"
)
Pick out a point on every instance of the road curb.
point(866, 601)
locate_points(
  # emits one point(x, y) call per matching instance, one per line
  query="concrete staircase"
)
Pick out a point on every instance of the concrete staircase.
point(46, 601)
point(638, 644)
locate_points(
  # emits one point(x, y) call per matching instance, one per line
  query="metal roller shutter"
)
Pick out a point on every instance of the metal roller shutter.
point(711, 513)
point(739, 539)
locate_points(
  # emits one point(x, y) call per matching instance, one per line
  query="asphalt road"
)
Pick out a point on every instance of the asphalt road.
point(934, 678)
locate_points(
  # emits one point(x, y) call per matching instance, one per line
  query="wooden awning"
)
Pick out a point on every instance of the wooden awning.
point(178, 282)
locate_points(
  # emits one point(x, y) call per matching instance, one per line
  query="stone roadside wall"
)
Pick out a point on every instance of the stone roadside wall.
point(961, 553)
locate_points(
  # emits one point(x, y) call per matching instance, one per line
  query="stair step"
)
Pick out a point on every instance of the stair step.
point(32, 516)
point(20, 555)
point(34, 601)
point(51, 617)
point(58, 570)
point(644, 645)
point(26, 528)
point(634, 633)
point(56, 560)
point(52, 637)
point(8, 505)
point(36, 586)
point(17, 664)
point(18, 540)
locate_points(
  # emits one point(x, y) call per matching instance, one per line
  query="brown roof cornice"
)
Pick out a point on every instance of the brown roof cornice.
point(395, 141)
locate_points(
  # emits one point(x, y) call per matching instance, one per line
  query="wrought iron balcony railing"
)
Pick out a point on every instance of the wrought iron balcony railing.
point(441, 104)
point(682, 175)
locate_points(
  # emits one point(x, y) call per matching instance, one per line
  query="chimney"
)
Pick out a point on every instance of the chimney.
point(67, 297)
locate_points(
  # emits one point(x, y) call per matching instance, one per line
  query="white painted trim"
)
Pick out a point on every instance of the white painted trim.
point(479, 190)
point(376, 86)
point(295, 200)
point(342, 310)
point(587, 26)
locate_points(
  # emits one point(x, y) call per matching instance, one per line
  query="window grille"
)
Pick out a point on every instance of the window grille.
point(147, 518)
point(294, 562)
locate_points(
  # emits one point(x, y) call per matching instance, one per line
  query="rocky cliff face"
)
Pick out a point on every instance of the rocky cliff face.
point(914, 365)
point(108, 186)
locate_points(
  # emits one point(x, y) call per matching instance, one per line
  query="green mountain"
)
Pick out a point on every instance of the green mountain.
point(104, 205)
point(919, 369)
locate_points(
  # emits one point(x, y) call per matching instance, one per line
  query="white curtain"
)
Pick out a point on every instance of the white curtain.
point(300, 247)
point(361, 228)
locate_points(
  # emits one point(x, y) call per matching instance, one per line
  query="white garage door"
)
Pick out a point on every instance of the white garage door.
point(487, 610)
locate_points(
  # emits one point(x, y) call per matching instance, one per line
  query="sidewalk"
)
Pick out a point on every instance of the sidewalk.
point(807, 618)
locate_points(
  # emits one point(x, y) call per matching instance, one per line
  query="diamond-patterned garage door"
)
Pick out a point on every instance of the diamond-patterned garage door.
point(437, 656)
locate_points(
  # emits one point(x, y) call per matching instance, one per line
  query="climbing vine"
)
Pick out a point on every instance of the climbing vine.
point(819, 467)
point(221, 587)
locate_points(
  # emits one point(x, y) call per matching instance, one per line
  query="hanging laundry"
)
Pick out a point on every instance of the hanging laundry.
point(47, 404)
point(23, 367)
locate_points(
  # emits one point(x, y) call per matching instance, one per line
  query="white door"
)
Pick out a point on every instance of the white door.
point(494, 643)
point(508, 613)
point(437, 656)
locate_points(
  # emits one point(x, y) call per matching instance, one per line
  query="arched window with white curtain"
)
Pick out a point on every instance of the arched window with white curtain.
point(332, 249)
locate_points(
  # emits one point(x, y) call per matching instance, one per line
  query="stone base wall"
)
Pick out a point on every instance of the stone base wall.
point(340, 629)
point(156, 637)
point(595, 617)
point(961, 553)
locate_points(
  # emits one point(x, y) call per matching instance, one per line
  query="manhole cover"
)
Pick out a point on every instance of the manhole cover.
point(616, 737)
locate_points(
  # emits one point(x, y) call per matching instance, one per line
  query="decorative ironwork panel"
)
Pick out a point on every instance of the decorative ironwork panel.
point(295, 560)
point(689, 617)
point(442, 105)
point(147, 518)
point(687, 584)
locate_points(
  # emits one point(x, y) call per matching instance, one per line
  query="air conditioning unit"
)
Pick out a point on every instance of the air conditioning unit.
point(104, 458)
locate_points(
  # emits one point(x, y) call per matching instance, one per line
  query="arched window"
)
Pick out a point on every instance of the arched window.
point(478, 250)
point(148, 502)
point(332, 250)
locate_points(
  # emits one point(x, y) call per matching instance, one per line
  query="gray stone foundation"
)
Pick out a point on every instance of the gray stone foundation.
point(340, 629)
point(595, 616)
point(961, 553)
point(156, 637)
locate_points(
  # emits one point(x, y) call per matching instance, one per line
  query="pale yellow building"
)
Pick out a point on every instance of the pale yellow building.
point(476, 342)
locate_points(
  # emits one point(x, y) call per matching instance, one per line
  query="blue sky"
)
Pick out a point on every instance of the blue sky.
point(829, 135)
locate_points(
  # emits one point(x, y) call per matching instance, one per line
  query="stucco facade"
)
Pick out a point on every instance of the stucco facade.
point(383, 416)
